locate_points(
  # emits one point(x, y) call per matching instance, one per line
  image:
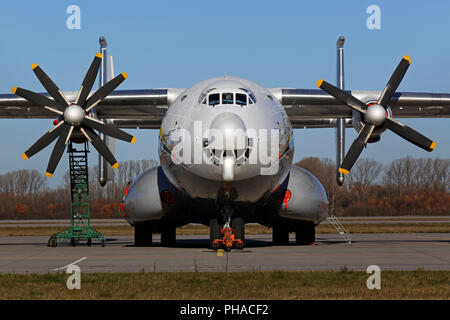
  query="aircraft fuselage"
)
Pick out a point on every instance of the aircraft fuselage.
point(252, 130)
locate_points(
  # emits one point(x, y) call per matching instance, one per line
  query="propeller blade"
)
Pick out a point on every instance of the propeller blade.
point(101, 147)
point(342, 96)
point(394, 81)
point(356, 148)
point(89, 80)
point(410, 134)
point(101, 93)
point(58, 149)
point(108, 129)
point(38, 99)
point(50, 86)
point(44, 141)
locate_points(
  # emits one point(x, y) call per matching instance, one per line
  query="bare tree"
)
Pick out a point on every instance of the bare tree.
point(433, 174)
point(407, 175)
point(22, 182)
point(394, 176)
point(364, 174)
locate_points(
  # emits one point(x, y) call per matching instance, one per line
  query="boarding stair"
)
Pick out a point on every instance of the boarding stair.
point(333, 220)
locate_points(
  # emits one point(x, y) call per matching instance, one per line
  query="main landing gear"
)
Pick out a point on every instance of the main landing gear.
point(231, 235)
point(143, 234)
point(304, 234)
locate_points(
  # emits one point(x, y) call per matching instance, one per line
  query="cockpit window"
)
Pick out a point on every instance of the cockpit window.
point(236, 98)
point(202, 98)
point(214, 99)
point(241, 99)
point(252, 99)
point(251, 96)
point(227, 98)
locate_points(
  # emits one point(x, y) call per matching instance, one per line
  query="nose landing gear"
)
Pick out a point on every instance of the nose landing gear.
point(228, 241)
point(230, 236)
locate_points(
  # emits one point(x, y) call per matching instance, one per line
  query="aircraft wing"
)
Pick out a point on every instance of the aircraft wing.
point(126, 108)
point(306, 108)
point(313, 108)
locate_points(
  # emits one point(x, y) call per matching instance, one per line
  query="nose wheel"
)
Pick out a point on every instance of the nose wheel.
point(215, 234)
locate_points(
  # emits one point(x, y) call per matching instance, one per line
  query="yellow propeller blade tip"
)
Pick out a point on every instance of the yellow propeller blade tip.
point(407, 58)
point(115, 165)
point(319, 83)
point(99, 55)
point(133, 140)
point(14, 89)
point(342, 170)
point(48, 174)
point(34, 66)
point(24, 156)
point(125, 75)
point(433, 145)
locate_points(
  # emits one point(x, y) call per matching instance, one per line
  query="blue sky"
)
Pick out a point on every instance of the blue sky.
point(178, 43)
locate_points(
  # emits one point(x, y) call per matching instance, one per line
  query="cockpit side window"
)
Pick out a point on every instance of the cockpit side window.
point(202, 98)
point(252, 99)
point(251, 96)
point(241, 99)
point(227, 98)
point(214, 99)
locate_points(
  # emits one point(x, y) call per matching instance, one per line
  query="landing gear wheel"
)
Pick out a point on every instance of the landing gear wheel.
point(142, 236)
point(238, 226)
point(305, 234)
point(214, 233)
point(280, 236)
point(169, 237)
point(52, 242)
point(239, 245)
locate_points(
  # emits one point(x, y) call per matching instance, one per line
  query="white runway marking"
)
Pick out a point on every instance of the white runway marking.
point(70, 264)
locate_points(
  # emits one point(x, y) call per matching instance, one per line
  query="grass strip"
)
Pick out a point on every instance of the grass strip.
point(278, 285)
point(249, 229)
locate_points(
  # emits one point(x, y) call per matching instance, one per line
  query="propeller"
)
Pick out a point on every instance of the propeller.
point(74, 116)
point(376, 115)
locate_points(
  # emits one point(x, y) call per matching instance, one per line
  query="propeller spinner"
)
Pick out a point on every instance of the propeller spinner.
point(74, 116)
point(376, 115)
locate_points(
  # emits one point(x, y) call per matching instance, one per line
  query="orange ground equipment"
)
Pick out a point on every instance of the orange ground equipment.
point(228, 242)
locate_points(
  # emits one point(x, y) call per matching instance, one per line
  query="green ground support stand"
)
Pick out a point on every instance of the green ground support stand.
point(80, 226)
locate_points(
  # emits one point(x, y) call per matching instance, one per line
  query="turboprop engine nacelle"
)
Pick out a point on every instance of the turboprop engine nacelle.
point(305, 198)
point(147, 196)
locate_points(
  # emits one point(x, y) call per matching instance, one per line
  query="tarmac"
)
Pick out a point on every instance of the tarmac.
point(34, 223)
point(393, 251)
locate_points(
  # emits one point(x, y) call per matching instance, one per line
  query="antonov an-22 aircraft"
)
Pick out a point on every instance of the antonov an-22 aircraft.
point(226, 145)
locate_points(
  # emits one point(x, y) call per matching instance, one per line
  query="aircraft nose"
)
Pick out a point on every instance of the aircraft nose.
point(228, 131)
point(228, 140)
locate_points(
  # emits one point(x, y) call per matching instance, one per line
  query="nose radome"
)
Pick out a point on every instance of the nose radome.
point(232, 130)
